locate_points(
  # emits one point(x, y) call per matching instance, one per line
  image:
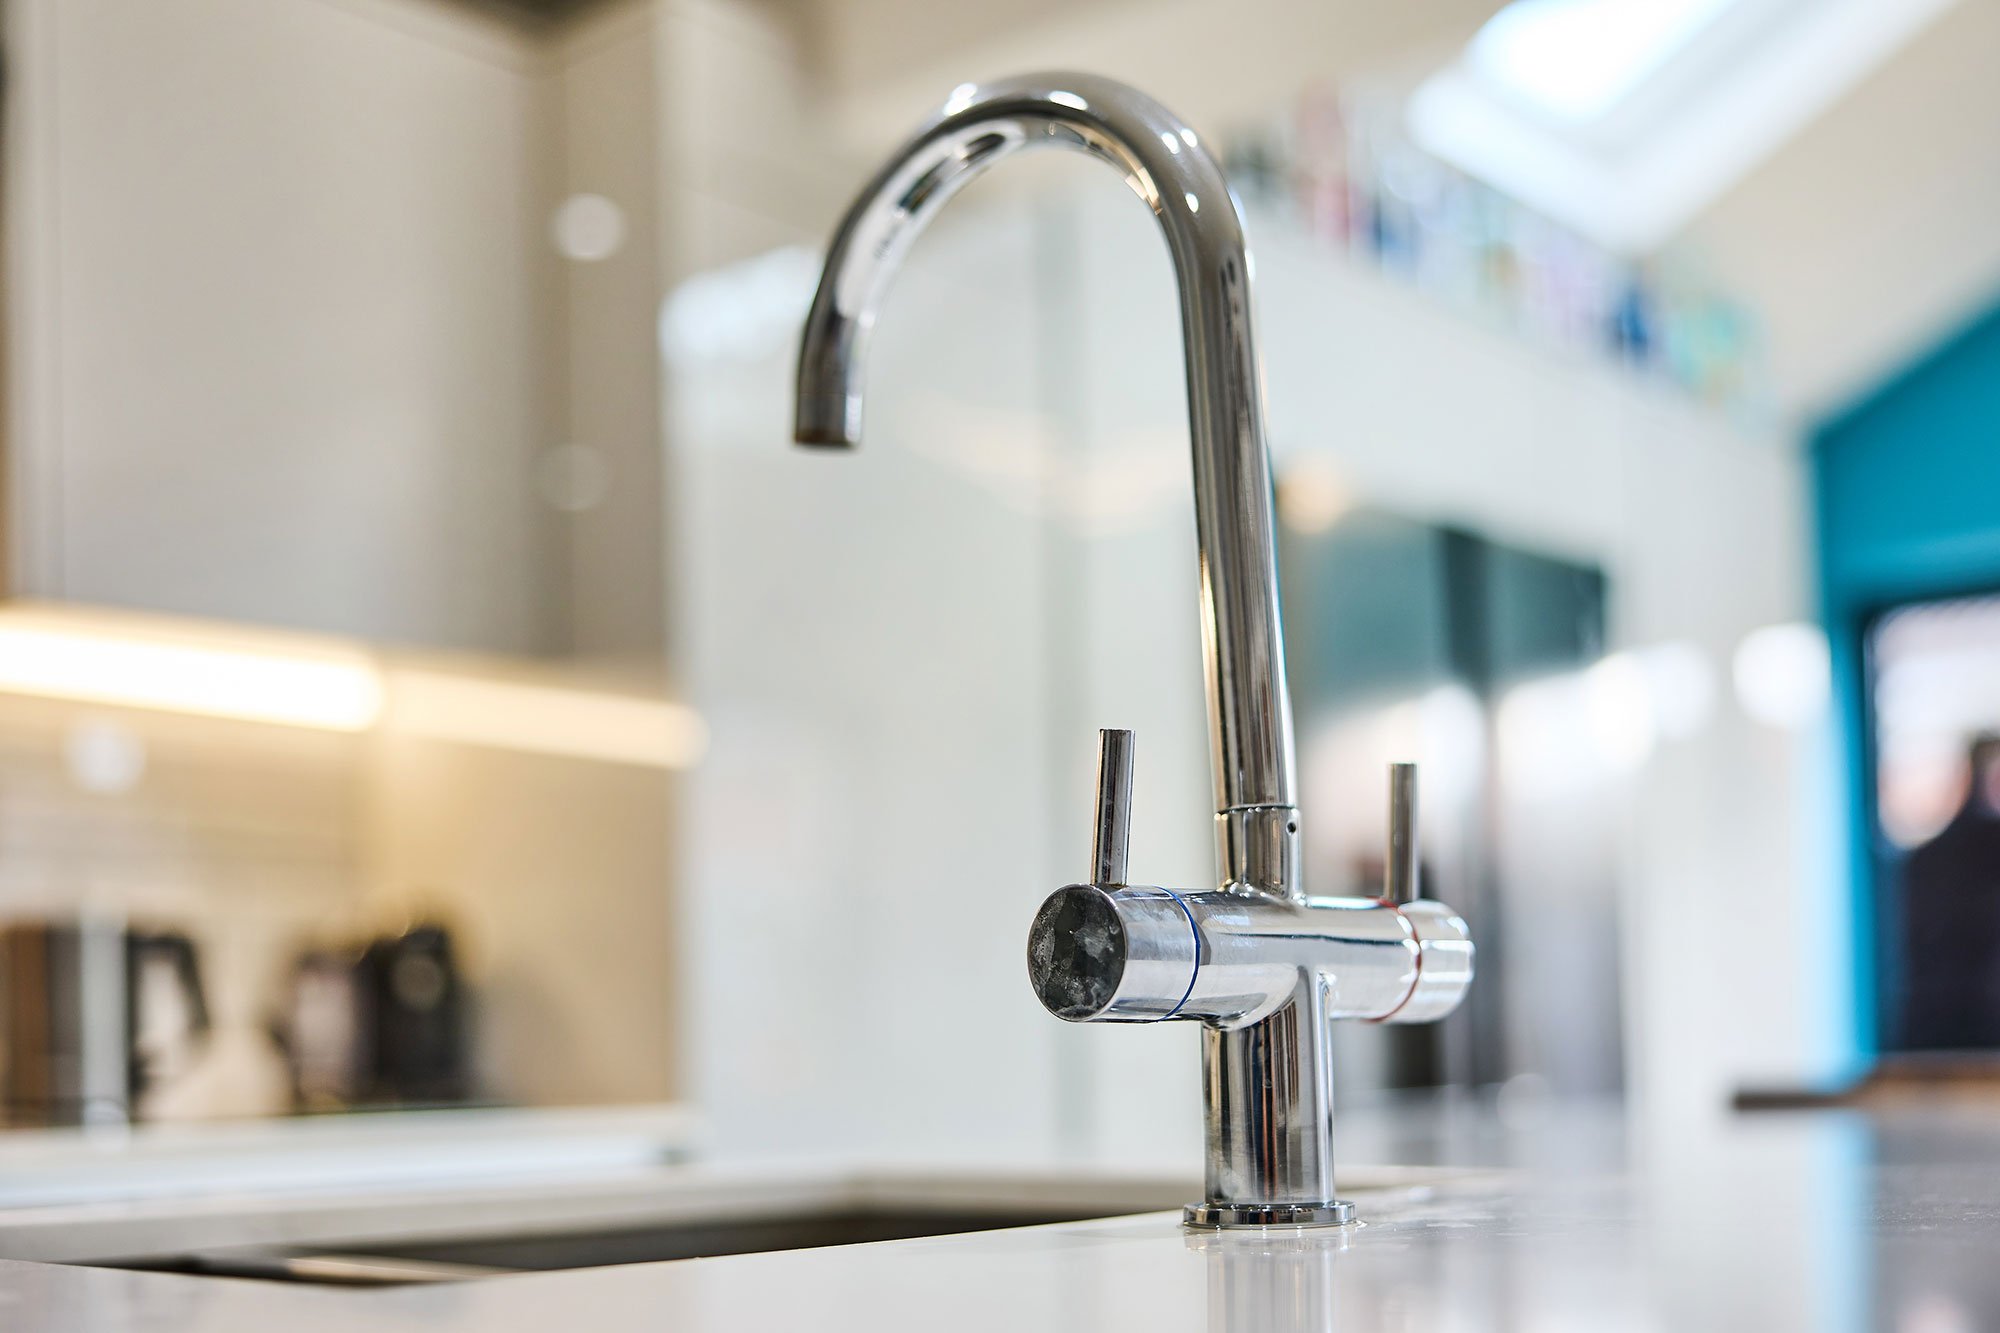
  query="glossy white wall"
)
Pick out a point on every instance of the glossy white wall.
point(869, 835)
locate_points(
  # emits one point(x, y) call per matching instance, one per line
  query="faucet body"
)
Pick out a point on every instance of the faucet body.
point(1164, 163)
point(1263, 968)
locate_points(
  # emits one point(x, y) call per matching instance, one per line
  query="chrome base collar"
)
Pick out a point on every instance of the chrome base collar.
point(1234, 1217)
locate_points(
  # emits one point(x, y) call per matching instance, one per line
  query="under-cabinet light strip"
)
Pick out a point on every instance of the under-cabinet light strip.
point(326, 693)
point(332, 688)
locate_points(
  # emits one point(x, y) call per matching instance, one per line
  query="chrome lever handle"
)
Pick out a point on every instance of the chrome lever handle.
point(1111, 831)
point(1399, 875)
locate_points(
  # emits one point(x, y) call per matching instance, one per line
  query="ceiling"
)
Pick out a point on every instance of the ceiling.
point(1862, 239)
point(1869, 236)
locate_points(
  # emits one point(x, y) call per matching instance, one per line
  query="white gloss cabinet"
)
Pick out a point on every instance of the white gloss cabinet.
point(289, 342)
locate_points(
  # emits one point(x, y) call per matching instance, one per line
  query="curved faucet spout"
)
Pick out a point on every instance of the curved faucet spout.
point(1167, 166)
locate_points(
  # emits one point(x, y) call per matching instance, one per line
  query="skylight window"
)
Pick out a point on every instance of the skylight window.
point(1576, 59)
point(1624, 118)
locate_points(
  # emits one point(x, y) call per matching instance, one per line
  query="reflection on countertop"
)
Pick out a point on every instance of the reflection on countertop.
point(1794, 1221)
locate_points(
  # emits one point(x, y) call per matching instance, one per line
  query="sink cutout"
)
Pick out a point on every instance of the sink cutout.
point(457, 1260)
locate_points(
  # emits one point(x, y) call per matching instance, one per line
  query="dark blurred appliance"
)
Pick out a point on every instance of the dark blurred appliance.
point(93, 1016)
point(382, 1024)
point(414, 1002)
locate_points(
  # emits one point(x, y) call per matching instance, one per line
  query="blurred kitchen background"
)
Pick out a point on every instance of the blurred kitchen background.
point(430, 676)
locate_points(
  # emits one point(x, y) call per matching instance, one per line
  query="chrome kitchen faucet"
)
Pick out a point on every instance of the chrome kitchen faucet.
point(1263, 968)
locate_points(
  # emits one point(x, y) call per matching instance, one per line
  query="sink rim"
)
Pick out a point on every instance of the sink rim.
point(612, 1200)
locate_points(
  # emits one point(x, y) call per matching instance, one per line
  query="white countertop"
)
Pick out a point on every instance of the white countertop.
point(1818, 1220)
point(366, 1150)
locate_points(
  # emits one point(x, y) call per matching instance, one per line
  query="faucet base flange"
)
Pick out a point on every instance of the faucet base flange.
point(1234, 1217)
